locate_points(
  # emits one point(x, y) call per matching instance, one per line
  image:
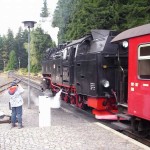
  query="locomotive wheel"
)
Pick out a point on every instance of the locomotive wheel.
point(66, 99)
point(72, 100)
point(80, 103)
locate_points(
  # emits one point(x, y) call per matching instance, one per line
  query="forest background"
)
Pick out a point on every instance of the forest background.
point(75, 18)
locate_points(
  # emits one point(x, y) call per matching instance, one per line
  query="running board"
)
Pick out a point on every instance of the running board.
point(125, 116)
point(105, 115)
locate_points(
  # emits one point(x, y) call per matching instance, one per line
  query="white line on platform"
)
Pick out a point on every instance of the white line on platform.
point(123, 136)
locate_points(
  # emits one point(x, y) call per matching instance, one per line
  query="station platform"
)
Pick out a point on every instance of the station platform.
point(68, 131)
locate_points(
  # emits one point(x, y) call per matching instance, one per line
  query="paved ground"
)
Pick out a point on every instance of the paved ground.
point(68, 131)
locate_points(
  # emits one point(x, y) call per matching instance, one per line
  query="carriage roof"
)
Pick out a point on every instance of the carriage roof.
point(133, 32)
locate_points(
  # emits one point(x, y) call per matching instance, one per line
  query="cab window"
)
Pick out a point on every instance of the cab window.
point(65, 54)
point(144, 61)
point(84, 48)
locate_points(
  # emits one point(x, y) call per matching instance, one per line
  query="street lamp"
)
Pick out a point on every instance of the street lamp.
point(29, 24)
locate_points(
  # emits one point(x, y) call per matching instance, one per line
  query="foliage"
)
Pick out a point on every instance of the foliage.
point(76, 18)
point(8, 43)
point(12, 63)
point(44, 12)
point(40, 41)
point(21, 53)
point(16, 48)
point(62, 17)
point(23, 71)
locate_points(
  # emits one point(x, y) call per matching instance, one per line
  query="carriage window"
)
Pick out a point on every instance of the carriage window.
point(144, 61)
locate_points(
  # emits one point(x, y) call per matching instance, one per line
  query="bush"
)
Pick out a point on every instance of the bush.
point(23, 71)
point(35, 68)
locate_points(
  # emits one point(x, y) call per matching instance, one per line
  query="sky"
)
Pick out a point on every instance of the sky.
point(14, 12)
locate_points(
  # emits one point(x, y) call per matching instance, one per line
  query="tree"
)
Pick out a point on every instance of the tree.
point(8, 44)
point(76, 18)
point(40, 42)
point(62, 17)
point(21, 53)
point(45, 12)
point(1, 57)
point(12, 62)
point(10, 41)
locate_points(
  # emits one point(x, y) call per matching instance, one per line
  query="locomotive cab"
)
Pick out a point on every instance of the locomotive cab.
point(95, 71)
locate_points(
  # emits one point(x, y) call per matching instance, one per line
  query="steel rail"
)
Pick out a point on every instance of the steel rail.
point(7, 85)
point(24, 80)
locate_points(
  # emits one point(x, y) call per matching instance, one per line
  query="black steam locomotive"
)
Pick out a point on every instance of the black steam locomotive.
point(87, 71)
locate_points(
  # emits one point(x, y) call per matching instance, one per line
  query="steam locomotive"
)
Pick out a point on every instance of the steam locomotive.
point(106, 72)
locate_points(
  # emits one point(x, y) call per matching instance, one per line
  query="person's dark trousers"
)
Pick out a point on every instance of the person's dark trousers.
point(16, 112)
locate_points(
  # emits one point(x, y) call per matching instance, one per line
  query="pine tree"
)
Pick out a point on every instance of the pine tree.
point(75, 18)
point(12, 63)
point(45, 12)
point(21, 53)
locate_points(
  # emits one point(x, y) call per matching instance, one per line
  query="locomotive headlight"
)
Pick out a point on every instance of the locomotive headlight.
point(105, 83)
point(125, 44)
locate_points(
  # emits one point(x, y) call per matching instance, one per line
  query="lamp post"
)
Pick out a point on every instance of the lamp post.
point(29, 25)
point(19, 62)
point(4, 63)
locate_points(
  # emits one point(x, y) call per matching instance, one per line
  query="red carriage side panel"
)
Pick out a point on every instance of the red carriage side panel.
point(139, 88)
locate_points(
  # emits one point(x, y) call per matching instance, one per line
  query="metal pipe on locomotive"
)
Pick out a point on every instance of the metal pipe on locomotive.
point(110, 78)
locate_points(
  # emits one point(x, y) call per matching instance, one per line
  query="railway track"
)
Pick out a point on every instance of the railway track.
point(34, 82)
point(145, 141)
point(36, 85)
point(7, 85)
